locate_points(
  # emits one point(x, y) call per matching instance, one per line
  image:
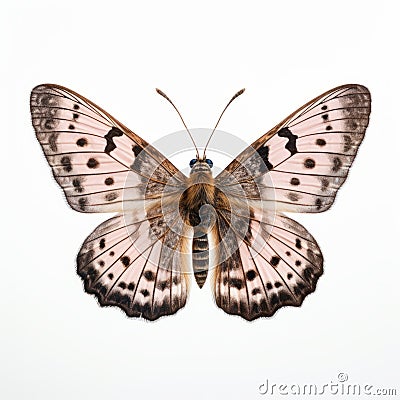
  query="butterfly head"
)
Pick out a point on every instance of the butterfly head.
point(201, 165)
point(195, 161)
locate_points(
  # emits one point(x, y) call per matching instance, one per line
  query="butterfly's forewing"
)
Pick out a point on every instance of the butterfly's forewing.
point(92, 154)
point(135, 260)
point(306, 158)
point(297, 166)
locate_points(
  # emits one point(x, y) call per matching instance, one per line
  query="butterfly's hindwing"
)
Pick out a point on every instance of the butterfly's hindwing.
point(277, 263)
point(126, 263)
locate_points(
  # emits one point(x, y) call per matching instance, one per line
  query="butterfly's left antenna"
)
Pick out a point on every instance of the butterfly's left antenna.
point(219, 119)
point(160, 92)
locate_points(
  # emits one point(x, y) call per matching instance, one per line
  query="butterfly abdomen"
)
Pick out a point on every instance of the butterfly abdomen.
point(200, 257)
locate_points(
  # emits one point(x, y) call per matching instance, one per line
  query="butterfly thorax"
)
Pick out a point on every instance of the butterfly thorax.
point(200, 191)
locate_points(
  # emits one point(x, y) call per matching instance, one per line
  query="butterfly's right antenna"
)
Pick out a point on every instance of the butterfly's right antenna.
point(160, 92)
point(219, 119)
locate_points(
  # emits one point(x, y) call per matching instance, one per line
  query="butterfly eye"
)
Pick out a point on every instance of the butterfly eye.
point(209, 162)
point(192, 162)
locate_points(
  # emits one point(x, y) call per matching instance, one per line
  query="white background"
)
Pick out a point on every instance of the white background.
point(56, 342)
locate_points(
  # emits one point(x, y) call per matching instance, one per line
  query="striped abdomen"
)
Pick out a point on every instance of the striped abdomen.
point(200, 256)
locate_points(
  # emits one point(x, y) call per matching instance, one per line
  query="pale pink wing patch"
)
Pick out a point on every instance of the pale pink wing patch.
point(125, 264)
point(277, 263)
point(301, 163)
point(92, 155)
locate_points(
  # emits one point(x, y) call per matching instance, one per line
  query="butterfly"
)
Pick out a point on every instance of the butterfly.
point(169, 224)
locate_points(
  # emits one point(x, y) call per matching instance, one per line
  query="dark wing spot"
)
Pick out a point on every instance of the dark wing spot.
point(136, 150)
point(274, 299)
point(295, 182)
point(81, 142)
point(320, 142)
point(149, 275)
point(50, 124)
point(163, 285)
point(325, 117)
point(255, 309)
point(112, 253)
point(289, 276)
point(131, 287)
point(110, 276)
point(115, 297)
point(75, 116)
point(122, 285)
point(309, 163)
point(145, 292)
point(274, 261)
point(110, 146)
point(323, 108)
point(92, 163)
point(278, 284)
point(324, 184)
point(291, 144)
point(76, 183)
point(102, 243)
point(250, 275)
point(354, 125)
point(268, 286)
point(137, 309)
point(293, 196)
point(299, 288)
point(111, 196)
point(71, 127)
point(298, 243)
point(337, 164)
point(255, 291)
point(298, 263)
point(308, 274)
point(328, 128)
point(102, 289)
point(237, 283)
point(263, 305)
point(53, 141)
point(109, 181)
point(66, 163)
point(288, 253)
point(347, 143)
point(101, 263)
point(284, 296)
point(76, 107)
point(263, 151)
point(318, 203)
point(91, 274)
point(82, 203)
point(125, 261)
